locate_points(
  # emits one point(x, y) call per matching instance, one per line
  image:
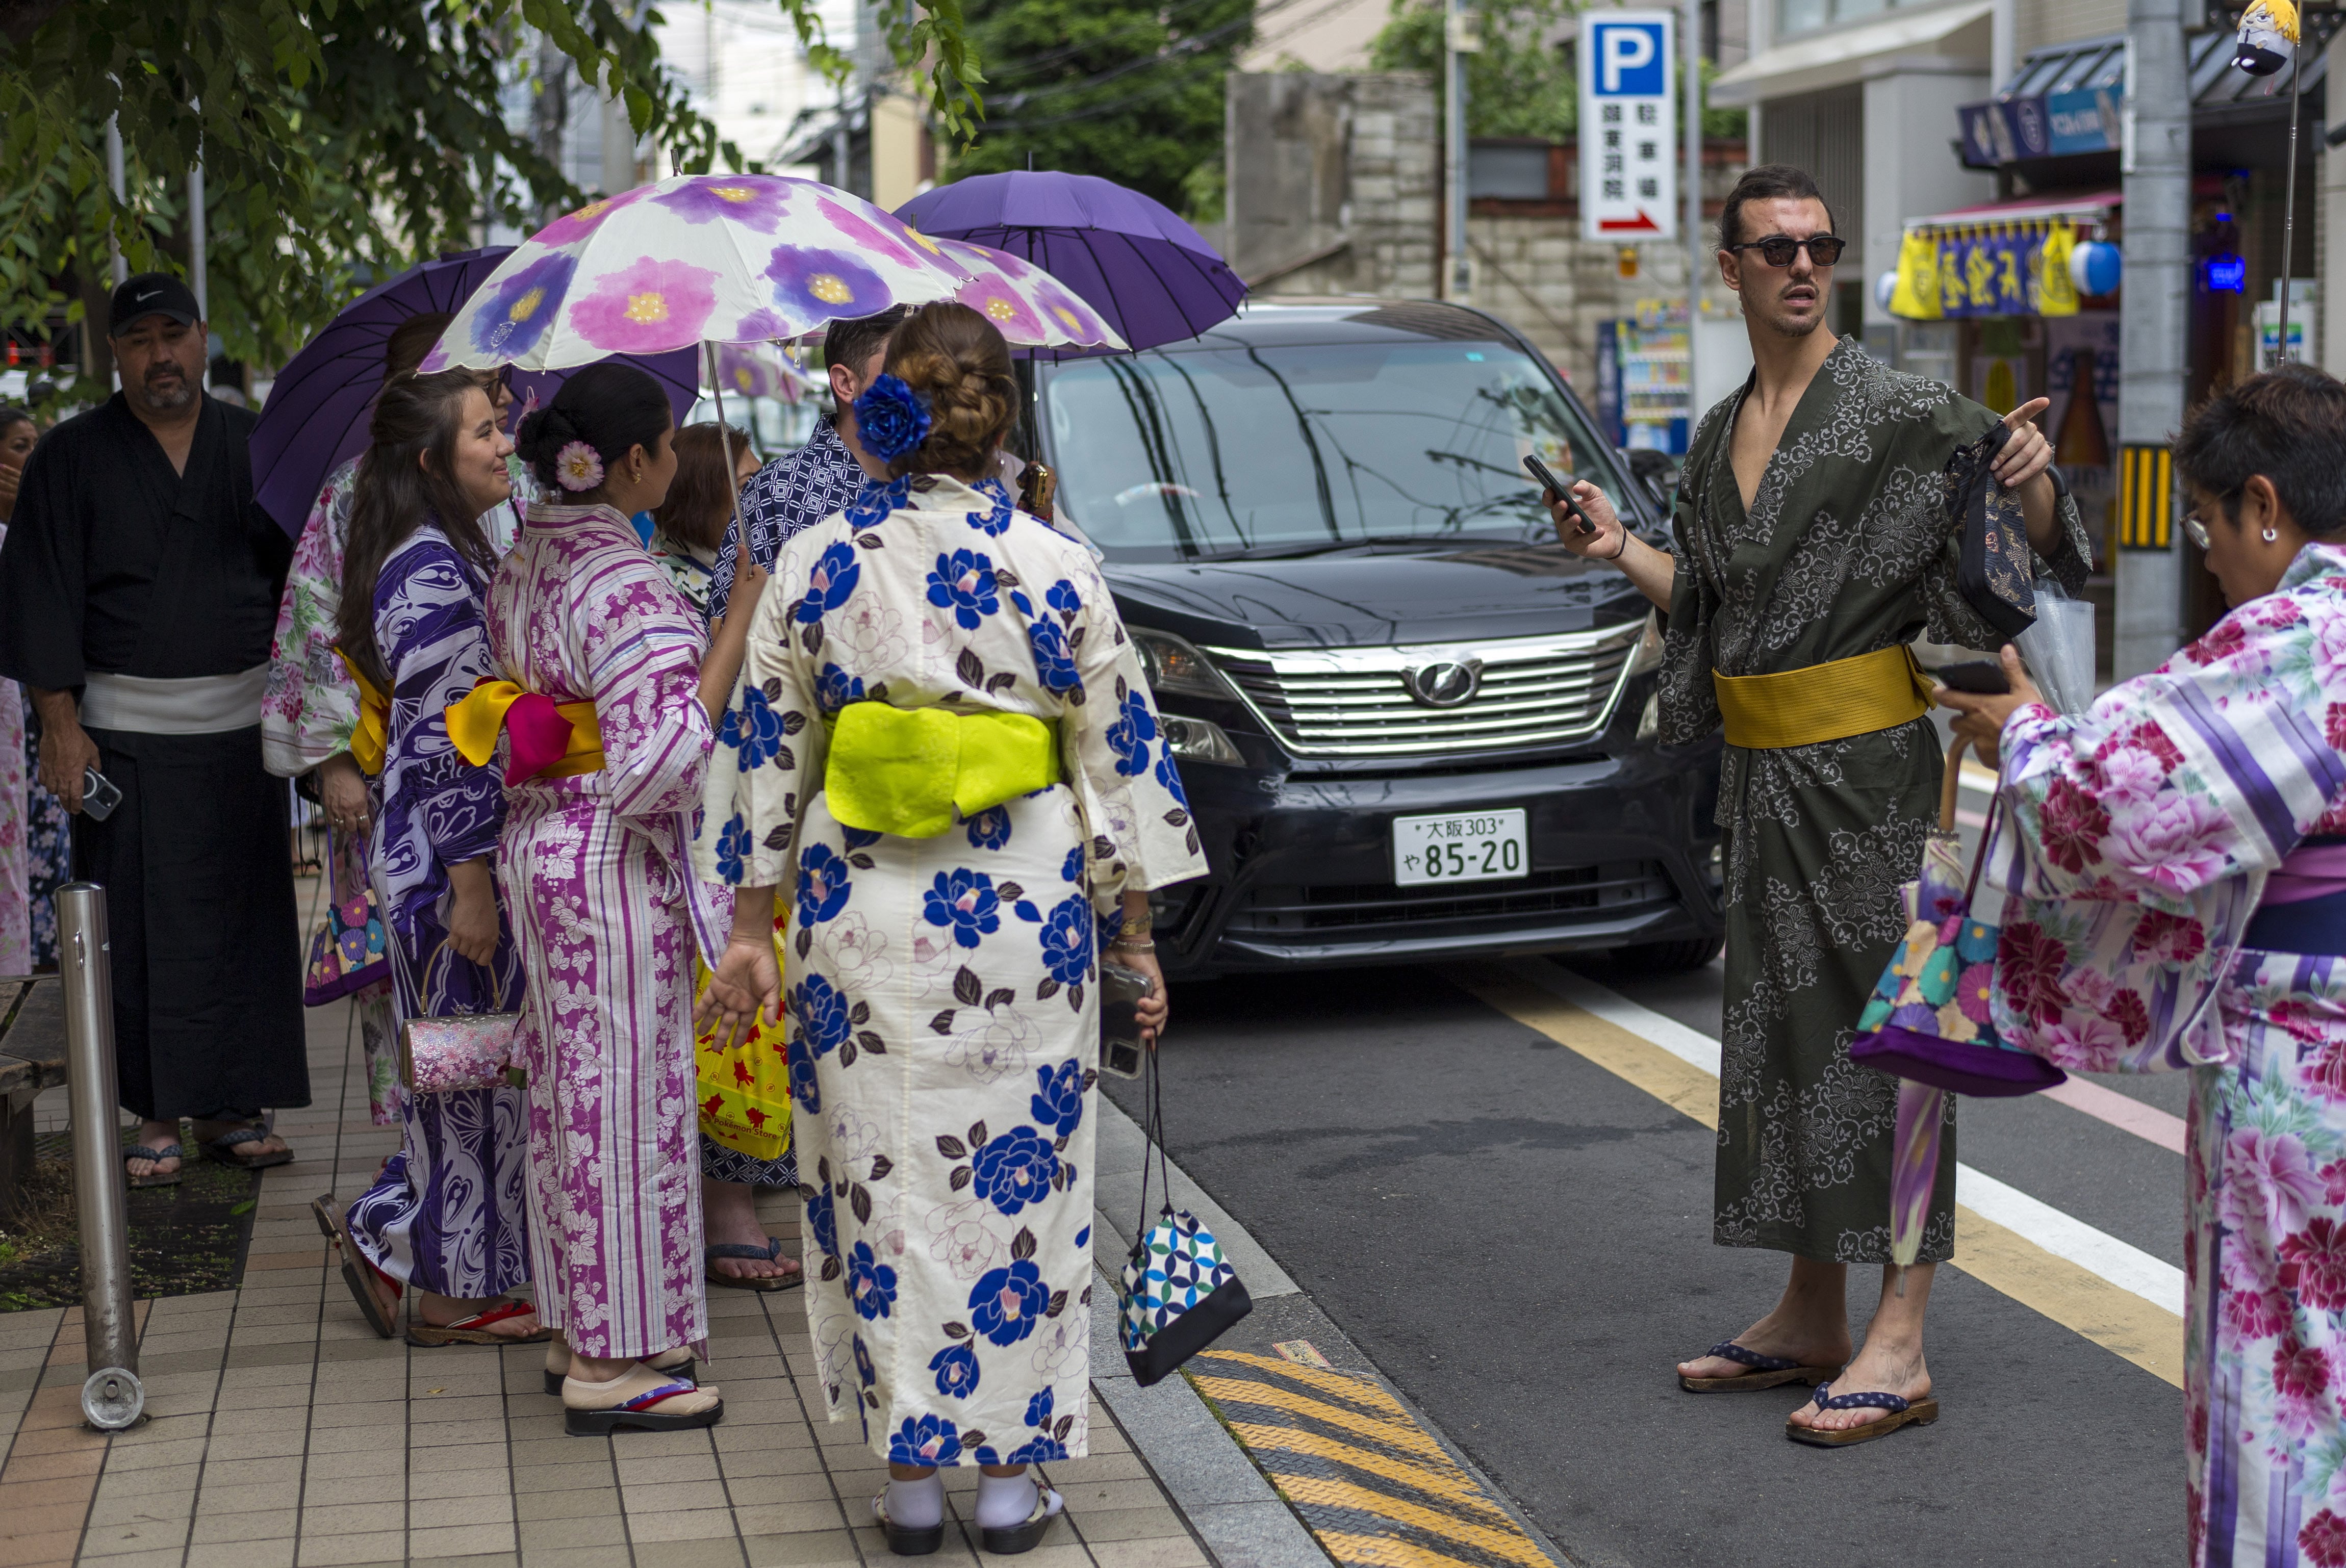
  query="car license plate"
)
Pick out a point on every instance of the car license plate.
point(1464, 847)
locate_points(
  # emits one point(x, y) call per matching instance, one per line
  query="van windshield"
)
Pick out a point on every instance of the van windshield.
point(1278, 451)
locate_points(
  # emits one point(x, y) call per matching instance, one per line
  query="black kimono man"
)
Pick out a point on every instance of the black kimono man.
point(138, 591)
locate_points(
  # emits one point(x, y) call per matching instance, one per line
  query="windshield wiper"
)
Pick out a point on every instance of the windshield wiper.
point(1332, 547)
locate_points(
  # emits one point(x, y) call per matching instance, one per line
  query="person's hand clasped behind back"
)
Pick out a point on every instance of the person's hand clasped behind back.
point(1980, 717)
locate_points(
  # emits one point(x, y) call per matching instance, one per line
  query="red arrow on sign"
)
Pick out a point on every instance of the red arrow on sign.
point(1641, 224)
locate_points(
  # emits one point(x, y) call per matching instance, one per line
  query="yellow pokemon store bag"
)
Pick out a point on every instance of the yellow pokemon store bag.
point(744, 1092)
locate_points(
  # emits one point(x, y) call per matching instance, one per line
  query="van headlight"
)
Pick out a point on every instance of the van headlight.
point(1197, 739)
point(1175, 666)
point(1649, 646)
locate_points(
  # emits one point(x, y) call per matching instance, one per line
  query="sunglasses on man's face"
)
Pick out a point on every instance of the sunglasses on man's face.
point(1777, 249)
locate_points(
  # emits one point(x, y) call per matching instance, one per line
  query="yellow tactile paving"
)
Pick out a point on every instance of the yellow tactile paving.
point(2078, 1299)
point(1344, 1470)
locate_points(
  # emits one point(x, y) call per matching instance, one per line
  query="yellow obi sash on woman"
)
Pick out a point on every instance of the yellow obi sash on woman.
point(371, 739)
point(1831, 701)
point(906, 770)
point(557, 739)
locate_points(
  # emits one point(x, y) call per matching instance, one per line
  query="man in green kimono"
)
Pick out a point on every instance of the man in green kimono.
point(1813, 527)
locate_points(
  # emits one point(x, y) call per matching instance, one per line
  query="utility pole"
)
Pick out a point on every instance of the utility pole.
point(114, 177)
point(197, 282)
point(1691, 24)
point(1460, 37)
point(2154, 327)
point(550, 113)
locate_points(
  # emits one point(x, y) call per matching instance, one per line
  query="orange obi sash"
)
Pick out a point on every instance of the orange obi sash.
point(548, 738)
point(371, 738)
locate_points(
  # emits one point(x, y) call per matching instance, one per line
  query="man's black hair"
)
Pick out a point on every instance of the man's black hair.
point(2288, 424)
point(1768, 182)
point(851, 340)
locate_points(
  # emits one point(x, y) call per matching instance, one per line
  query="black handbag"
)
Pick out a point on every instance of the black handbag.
point(1996, 574)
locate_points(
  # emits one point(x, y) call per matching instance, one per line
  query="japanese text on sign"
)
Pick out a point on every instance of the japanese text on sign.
point(1629, 126)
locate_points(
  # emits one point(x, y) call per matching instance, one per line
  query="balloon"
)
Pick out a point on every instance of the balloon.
point(1884, 287)
point(2268, 38)
point(2094, 267)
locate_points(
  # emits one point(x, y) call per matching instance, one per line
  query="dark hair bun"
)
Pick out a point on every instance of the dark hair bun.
point(610, 406)
point(957, 360)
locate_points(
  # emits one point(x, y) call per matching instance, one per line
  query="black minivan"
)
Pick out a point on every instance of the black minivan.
point(1410, 723)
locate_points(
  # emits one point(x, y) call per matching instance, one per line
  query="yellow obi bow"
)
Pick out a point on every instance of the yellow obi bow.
point(371, 738)
point(905, 771)
point(557, 739)
point(1830, 701)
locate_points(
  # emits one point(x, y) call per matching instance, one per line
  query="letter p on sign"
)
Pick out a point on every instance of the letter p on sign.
point(1629, 59)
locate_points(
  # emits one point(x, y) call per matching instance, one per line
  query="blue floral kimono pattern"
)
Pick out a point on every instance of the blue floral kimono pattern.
point(48, 848)
point(942, 995)
point(447, 1212)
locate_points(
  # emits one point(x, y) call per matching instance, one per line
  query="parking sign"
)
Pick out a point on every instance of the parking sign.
point(1628, 126)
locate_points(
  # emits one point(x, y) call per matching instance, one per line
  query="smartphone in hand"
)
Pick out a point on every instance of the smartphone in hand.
point(1977, 677)
point(1562, 491)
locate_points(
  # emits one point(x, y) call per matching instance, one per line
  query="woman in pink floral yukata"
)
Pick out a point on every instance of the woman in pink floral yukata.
point(2200, 810)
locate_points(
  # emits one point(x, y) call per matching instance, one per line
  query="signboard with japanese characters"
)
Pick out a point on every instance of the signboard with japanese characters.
point(1628, 126)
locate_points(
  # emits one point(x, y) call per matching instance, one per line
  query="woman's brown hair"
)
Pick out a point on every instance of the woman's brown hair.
point(700, 499)
point(957, 360)
point(408, 475)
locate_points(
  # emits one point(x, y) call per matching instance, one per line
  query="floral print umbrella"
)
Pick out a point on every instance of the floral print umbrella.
point(724, 258)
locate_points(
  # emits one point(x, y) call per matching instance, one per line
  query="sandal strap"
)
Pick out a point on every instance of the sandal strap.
point(507, 1309)
point(765, 1253)
point(665, 1392)
point(242, 1136)
point(1873, 1400)
point(168, 1152)
point(1729, 1351)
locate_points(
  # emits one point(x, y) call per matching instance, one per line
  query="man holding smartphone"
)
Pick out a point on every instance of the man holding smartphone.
point(1814, 542)
point(139, 590)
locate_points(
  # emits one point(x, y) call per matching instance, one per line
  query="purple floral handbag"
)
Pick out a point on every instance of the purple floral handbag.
point(1929, 1019)
point(349, 951)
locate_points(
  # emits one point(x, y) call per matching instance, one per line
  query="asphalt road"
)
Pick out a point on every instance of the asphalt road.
point(1521, 1242)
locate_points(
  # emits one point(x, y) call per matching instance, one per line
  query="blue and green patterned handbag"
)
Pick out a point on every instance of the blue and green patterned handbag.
point(1179, 1292)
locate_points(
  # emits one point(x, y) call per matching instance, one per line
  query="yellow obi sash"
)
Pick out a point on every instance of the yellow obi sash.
point(557, 739)
point(1830, 701)
point(905, 771)
point(371, 738)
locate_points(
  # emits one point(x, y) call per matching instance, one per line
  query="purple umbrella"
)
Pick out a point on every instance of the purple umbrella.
point(316, 415)
point(1151, 275)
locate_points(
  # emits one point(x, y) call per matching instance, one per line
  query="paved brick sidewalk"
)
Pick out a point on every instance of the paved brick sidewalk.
point(285, 1434)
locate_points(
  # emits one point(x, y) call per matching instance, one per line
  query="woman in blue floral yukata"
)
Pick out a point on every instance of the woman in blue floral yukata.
point(2183, 844)
point(943, 995)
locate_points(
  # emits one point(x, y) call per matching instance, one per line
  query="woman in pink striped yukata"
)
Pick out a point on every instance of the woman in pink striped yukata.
point(596, 874)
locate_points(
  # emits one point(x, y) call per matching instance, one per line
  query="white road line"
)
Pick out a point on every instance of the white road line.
point(2124, 1265)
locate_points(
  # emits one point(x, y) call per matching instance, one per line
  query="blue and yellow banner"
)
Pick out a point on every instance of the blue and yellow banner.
point(1974, 271)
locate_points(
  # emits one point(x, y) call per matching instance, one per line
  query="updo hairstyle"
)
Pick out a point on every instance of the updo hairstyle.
point(610, 406)
point(956, 358)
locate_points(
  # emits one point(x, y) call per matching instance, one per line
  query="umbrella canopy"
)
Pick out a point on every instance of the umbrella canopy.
point(1019, 298)
point(1151, 276)
point(317, 412)
point(759, 370)
point(717, 259)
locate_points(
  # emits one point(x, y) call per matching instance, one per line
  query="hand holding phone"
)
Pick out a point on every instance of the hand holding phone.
point(99, 795)
point(1979, 676)
point(1562, 491)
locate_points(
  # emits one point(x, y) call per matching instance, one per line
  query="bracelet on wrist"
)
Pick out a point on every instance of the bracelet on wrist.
point(1123, 944)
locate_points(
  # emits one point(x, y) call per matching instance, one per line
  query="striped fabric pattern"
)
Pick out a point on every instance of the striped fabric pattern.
point(594, 879)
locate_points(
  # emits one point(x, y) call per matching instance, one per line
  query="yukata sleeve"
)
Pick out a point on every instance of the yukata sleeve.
point(643, 648)
point(1112, 746)
point(1685, 702)
point(436, 639)
point(312, 707)
point(2209, 768)
point(771, 746)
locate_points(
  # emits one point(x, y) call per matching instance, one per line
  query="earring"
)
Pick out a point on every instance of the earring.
point(2271, 537)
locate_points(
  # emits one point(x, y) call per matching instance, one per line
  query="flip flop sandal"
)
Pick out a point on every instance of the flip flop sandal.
point(638, 1397)
point(1766, 1372)
point(1026, 1537)
point(384, 1321)
point(1903, 1412)
point(153, 1178)
point(222, 1149)
point(769, 1253)
point(474, 1329)
point(676, 1363)
point(903, 1539)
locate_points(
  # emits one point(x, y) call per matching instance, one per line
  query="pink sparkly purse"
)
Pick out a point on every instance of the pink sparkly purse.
point(471, 1051)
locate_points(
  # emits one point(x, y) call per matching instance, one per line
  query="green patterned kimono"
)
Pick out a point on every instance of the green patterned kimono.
point(1849, 547)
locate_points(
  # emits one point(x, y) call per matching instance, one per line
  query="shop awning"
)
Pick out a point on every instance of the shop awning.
point(1837, 58)
point(2087, 206)
point(2064, 100)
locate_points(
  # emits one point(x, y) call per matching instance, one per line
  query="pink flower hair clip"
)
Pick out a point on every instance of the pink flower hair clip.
point(577, 467)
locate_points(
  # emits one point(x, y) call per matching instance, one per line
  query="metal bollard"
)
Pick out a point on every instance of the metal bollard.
point(112, 1397)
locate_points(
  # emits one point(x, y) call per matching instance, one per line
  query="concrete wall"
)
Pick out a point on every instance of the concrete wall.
point(1911, 171)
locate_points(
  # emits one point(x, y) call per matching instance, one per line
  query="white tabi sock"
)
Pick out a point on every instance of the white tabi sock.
point(1004, 1501)
point(917, 1504)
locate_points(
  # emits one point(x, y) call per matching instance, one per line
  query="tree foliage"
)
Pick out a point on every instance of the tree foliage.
point(1523, 82)
point(340, 140)
point(1130, 90)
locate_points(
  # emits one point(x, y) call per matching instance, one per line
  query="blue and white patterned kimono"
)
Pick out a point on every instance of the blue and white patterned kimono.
point(944, 1010)
point(447, 1213)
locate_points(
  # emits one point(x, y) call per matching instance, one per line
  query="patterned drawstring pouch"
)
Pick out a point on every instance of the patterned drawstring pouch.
point(1179, 1292)
point(349, 951)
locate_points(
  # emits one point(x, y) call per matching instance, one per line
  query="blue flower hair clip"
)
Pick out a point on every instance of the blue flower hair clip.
point(891, 420)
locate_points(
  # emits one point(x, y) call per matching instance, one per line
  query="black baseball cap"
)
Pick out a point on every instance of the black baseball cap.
point(151, 294)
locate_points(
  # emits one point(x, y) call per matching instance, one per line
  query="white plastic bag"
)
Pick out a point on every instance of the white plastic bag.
point(2059, 648)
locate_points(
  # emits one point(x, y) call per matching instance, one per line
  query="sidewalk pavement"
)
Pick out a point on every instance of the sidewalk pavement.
point(284, 1435)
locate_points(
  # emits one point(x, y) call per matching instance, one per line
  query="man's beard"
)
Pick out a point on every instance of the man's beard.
point(1781, 323)
point(179, 396)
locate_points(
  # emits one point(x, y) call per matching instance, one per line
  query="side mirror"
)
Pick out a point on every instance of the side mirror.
point(1655, 470)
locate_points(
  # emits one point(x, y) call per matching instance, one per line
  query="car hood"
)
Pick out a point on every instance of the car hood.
point(1452, 595)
